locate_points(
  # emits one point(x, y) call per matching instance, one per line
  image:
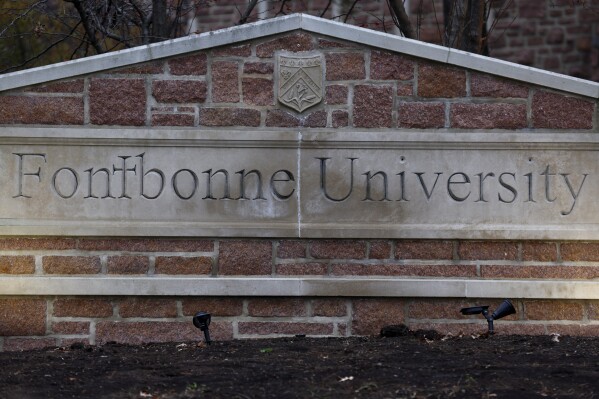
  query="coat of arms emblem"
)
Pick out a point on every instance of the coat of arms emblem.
point(300, 81)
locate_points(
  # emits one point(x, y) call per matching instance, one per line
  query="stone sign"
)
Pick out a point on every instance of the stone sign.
point(311, 184)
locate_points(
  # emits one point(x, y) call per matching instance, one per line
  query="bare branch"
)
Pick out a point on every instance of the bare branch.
point(35, 57)
point(86, 19)
point(247, 12)
point(400, 17)
point(159, 26)
point(281, 8)
point(351, 9)
point(22, 15)
point(324, 11)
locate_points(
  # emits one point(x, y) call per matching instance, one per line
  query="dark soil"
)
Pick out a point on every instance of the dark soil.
point(410, 366)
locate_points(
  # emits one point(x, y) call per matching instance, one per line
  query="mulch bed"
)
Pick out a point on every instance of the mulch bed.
point(414, 365)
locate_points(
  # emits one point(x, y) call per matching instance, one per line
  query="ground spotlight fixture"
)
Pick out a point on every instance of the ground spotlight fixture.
point(202, 320)
point(505, 309)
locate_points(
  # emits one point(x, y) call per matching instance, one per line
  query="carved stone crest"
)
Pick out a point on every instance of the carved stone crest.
point(300, 81)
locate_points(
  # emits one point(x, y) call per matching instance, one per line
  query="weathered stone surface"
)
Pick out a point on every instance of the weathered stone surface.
point(65, 86)
point(339, 118)
point(27, 344)
point(328, 44)
point(80, 307)
point(262, 68)
point(437, 81)
point(280, 118)
point(291, 249)
point(329, 307)
point(345, 66)
point(443, 308)
point(148, 307)
point(338, 249)
point(580, 251)
point(257, 91)
point(136, 333)
point(488, 116)
point(146, 245)
point(245, 258)
point(179, 91)
point(336, 94)
point(373, 106)
point(244, 50)
point(17, 264)
point(22, 317)
point(389, 66)
point(183, 265)
point(41, 110)
point(148, 68)
point(196, 64)
point(229, 117)
point(282, 307)
point(482, 85)
point(417, 115)
point(379, 250)
point(539, 251)
point(553, 310)
point(219, 307)
point(294, 42)
point(71, 264)
point(405, 90)
point(482, 250)
point(301, 269)
point(285, 328)
point(424, 249)
point(315, 119)
point(173, 120)
point(127, 264)
point(70, 327)
point(127, 109)
point(556, 35)
point(370, 315)
point(225, 84)
point(540, 272)
point(556, 111)
point(28, 243)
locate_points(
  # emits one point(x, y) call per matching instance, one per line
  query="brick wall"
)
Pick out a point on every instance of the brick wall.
point(234, 86)
point(560, 36)
point(30, 322)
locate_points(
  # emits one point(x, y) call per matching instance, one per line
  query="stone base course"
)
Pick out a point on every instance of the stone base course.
point(39, 321)
point(52, 321)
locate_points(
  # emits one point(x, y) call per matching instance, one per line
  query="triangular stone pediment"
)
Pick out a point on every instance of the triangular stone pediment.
point(292, 23)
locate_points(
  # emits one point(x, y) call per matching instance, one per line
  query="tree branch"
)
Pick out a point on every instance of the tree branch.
point(23, 15)
point(247, 12)
point(351, 8)
point(52, 45)
point(401, 19)
point(87, 25)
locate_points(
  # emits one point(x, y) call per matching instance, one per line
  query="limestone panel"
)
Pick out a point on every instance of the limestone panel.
point(315, 183)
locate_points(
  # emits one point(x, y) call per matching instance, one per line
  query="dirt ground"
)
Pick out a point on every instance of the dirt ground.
point(415, 365)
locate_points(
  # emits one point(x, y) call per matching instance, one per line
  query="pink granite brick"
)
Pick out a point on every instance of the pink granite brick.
point(437, 81)
point(488, 116)
point(557, 111)
point(373, 106)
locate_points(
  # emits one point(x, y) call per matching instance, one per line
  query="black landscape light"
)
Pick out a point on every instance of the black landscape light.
point(202, 320)
point(505, 309)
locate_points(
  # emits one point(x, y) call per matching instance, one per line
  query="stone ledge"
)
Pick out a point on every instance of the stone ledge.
point(298, 287)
